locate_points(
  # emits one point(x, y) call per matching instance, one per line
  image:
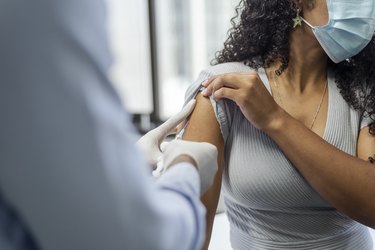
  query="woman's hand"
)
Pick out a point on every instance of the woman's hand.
point(250, 94)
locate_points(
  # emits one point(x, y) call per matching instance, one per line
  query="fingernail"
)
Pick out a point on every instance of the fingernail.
point(205, 83)
point(204, 92)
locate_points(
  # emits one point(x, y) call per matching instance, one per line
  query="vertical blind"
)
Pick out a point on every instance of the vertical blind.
point(187, 35)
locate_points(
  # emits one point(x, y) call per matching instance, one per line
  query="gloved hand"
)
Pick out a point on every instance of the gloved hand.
point(149, 144)
point(204, 154)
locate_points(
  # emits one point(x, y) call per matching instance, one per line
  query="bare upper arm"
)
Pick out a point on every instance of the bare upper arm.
point(203, 127)
point(366, 145)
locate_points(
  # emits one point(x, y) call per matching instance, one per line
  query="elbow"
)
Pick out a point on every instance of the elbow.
point(370, 218)
point(366, 218)
point(372, 223)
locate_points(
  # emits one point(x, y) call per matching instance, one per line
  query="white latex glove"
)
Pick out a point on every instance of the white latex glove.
point(149, 144)
point(204, 154)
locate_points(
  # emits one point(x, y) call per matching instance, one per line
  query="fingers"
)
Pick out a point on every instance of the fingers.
point(163, 145)
point(151, 143)
point(226, 80)
point(227, 93)
point(231, 80)
point(171, 124)
point(186, 111)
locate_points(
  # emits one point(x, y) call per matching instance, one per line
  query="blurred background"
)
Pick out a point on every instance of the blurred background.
point(159, 48)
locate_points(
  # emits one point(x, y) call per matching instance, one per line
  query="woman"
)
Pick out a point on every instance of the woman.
point(292, 96)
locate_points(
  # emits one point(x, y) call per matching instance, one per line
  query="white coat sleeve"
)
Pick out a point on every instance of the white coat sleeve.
point(67, 161)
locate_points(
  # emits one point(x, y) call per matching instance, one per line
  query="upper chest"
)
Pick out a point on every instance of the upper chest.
point(257, 172)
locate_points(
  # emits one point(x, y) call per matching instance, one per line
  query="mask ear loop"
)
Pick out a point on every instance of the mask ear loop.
point(297, 21)
point(306, 22)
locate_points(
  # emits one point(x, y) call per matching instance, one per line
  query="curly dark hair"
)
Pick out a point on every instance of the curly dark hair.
point(260, 36)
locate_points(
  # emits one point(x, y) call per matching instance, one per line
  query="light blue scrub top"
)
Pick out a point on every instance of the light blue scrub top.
point(70, 177)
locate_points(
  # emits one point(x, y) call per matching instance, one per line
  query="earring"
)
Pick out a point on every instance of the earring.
point(297, 21)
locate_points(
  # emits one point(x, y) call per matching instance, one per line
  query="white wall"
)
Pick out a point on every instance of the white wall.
point(130, 43)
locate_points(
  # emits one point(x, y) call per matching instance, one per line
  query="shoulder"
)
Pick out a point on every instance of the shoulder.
point(344, 122)
point(208, 111)
point(229, 67)
point(219, 69)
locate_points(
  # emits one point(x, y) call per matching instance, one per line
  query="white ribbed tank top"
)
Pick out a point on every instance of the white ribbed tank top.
point(268, 203)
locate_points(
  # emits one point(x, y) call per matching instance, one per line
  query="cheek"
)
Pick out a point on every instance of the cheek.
point(323, 12)
point(318, 15)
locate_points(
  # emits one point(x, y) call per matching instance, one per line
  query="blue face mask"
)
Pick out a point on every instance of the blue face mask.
point(349, 30)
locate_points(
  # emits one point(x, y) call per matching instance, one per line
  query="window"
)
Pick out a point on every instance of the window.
point(128, 28)
point(188, 33)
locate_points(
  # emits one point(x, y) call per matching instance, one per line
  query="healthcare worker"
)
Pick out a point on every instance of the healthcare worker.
point(70, 176)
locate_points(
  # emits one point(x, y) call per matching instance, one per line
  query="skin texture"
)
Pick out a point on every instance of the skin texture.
point(345, 181)
point(209, 132)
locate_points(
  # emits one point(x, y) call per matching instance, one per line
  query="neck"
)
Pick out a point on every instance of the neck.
point(307, 64)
